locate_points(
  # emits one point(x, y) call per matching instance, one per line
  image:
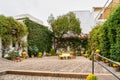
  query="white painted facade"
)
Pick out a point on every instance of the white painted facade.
point(89, 19)
point(13, 48)
point(86, 20)
point(23, 16)
point(0, 48)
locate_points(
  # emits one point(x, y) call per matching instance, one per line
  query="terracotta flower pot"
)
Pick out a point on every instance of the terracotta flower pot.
point(24, 53)
point(117, 69)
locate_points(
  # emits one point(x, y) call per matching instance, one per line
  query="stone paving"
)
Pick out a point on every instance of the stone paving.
point(78, 65)
point(26, 77)
point(53, 64)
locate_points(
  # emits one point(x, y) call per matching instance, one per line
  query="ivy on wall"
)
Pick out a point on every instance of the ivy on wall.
point(39, 37)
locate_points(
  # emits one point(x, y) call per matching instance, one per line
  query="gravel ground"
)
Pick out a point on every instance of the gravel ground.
point(53, 64)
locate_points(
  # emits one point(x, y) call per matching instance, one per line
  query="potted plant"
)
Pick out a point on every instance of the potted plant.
point(48, 54)
point(40, 54)
point(97, 52)
point(91, 77)
point(52, 52)
point(106, 61)
point(24, 54)
point(13, 54)
point(116, 66)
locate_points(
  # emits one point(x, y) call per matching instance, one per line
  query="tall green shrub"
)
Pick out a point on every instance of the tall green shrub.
point(114, 22)
point(94, 40)
point(111, 32)
point(108, 39)
point(104, 41)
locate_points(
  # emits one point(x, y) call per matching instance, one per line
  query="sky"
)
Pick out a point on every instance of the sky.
point(41, 9)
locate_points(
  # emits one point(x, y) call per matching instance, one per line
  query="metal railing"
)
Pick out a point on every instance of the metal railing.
point(93, 60)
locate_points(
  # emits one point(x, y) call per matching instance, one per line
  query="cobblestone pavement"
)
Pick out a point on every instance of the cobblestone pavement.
point(78, 65)
point(53, 64)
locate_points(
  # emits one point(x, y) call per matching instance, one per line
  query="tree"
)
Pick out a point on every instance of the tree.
point(104, 41)
point(64, 24)
point(94, 37)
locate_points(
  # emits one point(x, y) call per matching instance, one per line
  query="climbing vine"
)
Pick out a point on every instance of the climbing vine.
point(39, 38)
point(11, 31)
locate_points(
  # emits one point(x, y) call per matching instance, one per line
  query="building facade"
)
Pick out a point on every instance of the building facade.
point(24, 16)
point(106, 10)
point(86, 20)
point(20, 18)
point(98, 15)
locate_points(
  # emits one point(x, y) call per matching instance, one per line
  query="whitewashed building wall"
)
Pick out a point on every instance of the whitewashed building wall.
point(86, 20)
point(0, 48)
point(25, 40)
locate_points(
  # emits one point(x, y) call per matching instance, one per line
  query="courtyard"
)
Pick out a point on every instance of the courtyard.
point(80, 65)
point(61, 48)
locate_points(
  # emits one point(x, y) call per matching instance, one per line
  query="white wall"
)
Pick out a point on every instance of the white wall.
point(11, 47)
point(29, 16)
point(24, 39)
point(86, 20)
point(0, 48)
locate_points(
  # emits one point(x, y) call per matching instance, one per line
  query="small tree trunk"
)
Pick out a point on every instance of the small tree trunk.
point(3, 53)
point(54, 41)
